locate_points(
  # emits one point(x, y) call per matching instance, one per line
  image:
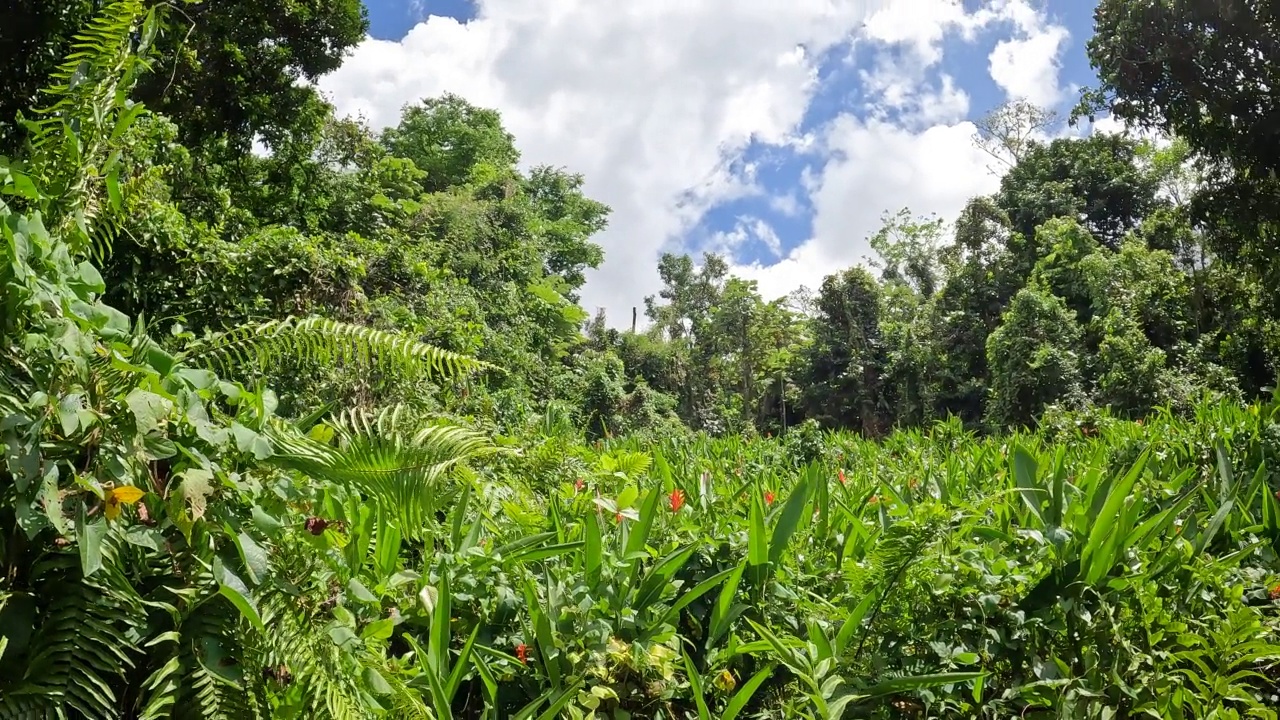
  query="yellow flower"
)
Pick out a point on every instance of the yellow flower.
point(725, 681)
point(124, 494)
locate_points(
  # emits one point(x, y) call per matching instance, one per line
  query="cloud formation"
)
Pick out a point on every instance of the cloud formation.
point(656, 102)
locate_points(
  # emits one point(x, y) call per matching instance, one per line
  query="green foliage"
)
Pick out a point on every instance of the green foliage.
point(224, 70)
point(1033, 359)
point(266, 516)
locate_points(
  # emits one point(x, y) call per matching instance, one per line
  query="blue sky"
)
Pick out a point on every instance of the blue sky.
point(706, 129)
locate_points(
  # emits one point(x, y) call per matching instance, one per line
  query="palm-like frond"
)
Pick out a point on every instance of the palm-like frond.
point(386, 456)
point(81, 649)
point(197, 668)
point(321, 340)
point(326, 678)
point(73, 137)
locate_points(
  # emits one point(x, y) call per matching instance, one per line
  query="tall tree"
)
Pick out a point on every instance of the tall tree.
point(1034, 357)
point(1094, 180)
point(1204, 71)
point(846, 360)
point(452, 140)
point(1008, 132)
point(226, 70)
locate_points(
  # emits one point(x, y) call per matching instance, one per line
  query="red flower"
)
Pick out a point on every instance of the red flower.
point(522, 653)
point(768, 497)
point(578, 485)
point(873, 500)
point(1275, 592)
point(619, 517)
point(677, 500)
point(840, 474)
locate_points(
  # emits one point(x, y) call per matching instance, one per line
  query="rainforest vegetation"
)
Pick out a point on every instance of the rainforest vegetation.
point(321, 429)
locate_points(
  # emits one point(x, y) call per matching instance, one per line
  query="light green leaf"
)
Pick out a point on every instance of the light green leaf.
point(148, 409)
point(196, 489)
point(255, 558)
point(233, 588)
point(378, 630)
point(89, 537)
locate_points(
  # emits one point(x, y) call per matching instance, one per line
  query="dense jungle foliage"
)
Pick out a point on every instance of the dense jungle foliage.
point(324, 431)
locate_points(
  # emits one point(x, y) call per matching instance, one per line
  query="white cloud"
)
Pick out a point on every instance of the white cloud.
point(655, 101)
point(1027, 67)
point(747, 229)
point(877, 166)
point(648, 100)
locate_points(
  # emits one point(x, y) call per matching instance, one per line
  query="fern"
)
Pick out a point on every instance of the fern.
point(72, 138)
point(385, 457)
point(324, 341)
point(81, 647)
point(196, 673)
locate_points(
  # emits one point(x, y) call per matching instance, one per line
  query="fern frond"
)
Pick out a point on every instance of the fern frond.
point(198, 669)
point(324, 341)
point(82, 649)
point(385, 457)
point(73, 139)
point(324, 673)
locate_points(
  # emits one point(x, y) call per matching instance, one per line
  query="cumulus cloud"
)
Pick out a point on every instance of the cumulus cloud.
point(650, 101)
point(876, 167)
point(656, 102)
point(1027, 67)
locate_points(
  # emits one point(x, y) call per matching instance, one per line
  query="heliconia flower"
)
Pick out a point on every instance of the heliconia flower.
point(578, 485)
point(1275, 592)
point(677, 500)
point(768, 497)
point(522, 653)
point(840, 474)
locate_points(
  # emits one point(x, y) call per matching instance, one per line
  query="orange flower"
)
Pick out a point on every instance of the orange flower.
point(768, 497)
point(677, 500)
point(125, 494)
point(1275, 592)
point(619, 516)
point(578, 485)
point(840, 474)
point(873, 500)
point(522, 653)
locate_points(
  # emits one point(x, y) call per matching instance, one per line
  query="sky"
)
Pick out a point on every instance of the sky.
point(775, 132)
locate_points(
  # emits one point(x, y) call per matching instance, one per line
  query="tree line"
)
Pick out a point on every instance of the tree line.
point(1105, 271)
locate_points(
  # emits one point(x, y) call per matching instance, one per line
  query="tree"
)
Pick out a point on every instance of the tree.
point(1094, 180)
point(1034, 359)
point(908, 251)
point(1203, 71)
point(846, 359)
point(230, 69)
point(1207, 73)
point(1011, 130)
point(452, 140)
